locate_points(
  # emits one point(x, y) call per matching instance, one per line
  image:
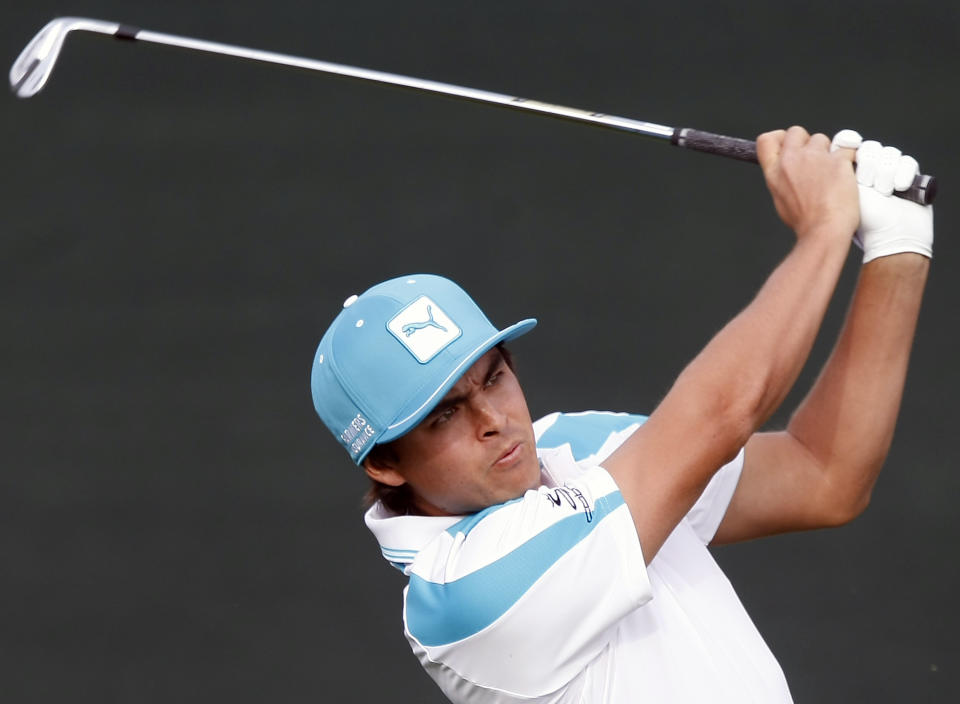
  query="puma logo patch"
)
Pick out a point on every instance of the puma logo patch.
point(411, 328)
point(424, 329)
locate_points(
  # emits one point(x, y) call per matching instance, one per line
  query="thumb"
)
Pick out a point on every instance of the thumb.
point(846, 142)
point(769, 145)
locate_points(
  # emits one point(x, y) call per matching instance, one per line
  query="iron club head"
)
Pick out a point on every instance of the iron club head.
point(33, 67)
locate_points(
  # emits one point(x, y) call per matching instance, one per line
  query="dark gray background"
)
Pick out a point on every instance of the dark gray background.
point(178, 229)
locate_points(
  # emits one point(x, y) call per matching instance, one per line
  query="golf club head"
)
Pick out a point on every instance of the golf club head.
point(33, 67)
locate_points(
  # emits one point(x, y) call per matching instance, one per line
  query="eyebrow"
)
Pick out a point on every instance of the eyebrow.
point(451, 401)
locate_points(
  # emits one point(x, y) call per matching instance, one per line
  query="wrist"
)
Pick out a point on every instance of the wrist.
point(901, 264)
point(893, 247)
point(827, 235)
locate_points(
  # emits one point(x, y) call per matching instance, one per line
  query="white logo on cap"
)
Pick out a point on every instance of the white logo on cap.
point(424, 329)
point(357, 434)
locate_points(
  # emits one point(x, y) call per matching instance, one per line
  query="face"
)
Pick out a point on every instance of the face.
point(474, 450)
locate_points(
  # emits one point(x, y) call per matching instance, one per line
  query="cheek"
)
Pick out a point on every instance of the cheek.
point(520, 406)
point(513, 393)
point(441, 465)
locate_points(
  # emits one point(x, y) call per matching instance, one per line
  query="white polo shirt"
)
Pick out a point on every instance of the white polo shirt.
point(546, 598)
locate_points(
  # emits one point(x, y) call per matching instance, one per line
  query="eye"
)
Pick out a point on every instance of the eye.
point(443, 416)
point(494, 378)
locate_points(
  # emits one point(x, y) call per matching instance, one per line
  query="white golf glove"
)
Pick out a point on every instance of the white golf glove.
point(888, 225)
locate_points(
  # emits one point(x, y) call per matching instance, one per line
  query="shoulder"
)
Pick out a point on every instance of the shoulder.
point(481, 605)
point(591, 435)
point(479, 567)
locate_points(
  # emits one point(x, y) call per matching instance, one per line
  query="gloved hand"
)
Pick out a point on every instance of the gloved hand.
point(888, 225)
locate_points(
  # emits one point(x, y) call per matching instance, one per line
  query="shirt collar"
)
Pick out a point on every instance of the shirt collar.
point(402, 537)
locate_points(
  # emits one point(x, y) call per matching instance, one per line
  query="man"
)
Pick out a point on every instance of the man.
point(566, 560)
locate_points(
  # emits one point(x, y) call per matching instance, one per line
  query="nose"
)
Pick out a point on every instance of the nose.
point(488, 417)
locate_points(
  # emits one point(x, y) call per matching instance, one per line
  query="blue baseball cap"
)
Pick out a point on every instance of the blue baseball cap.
point(393, 353)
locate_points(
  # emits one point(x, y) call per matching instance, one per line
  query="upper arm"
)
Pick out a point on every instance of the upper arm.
point(666, 464)
point(782, 488)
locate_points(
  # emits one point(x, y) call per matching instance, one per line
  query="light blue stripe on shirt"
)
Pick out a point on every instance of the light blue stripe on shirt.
point(396, 552)
point(466, 525)
point(443, 613)
point(586, 432)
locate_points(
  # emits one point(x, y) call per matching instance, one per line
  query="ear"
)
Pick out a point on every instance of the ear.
point(383, 472)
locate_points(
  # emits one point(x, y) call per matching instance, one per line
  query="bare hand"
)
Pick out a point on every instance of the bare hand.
point(812, 188)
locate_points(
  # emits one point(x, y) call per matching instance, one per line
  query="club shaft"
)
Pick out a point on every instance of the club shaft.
point(483, 96)
point(32, 68)
point(922, 191)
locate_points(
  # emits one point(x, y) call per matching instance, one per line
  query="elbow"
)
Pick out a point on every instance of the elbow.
point(843, 508)
point(746, 402)
point(739, 416)
point(733, 402)
point(731, 426)
point(727, 409)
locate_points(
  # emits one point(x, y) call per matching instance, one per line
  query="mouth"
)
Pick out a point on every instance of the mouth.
point(510, 456)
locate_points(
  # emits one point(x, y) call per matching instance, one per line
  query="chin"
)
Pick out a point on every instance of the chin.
point(529, 479)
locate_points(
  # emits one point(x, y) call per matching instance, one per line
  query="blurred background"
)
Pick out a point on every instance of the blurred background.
point(178, 229)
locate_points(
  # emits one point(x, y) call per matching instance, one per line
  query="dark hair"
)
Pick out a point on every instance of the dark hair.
point(399, 499)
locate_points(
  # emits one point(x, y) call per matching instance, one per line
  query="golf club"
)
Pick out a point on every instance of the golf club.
point(33, 67)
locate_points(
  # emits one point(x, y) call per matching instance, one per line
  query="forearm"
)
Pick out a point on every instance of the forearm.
point(847, 420)
point(754, 360)
point(820, 471)
point(752, 363)
point(740, 377)
point(726, 392)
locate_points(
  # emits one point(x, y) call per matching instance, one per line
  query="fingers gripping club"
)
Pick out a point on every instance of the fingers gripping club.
point(887, 225)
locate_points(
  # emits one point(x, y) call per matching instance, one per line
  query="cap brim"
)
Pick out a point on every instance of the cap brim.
point(410, 418)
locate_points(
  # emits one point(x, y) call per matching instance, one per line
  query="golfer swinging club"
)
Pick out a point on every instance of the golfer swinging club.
point(566, 560)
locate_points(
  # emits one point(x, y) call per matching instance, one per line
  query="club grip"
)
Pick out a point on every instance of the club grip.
point(922, 191)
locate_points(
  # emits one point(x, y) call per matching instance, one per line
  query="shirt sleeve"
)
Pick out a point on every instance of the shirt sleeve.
point(519, 598)
point(708, 512)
